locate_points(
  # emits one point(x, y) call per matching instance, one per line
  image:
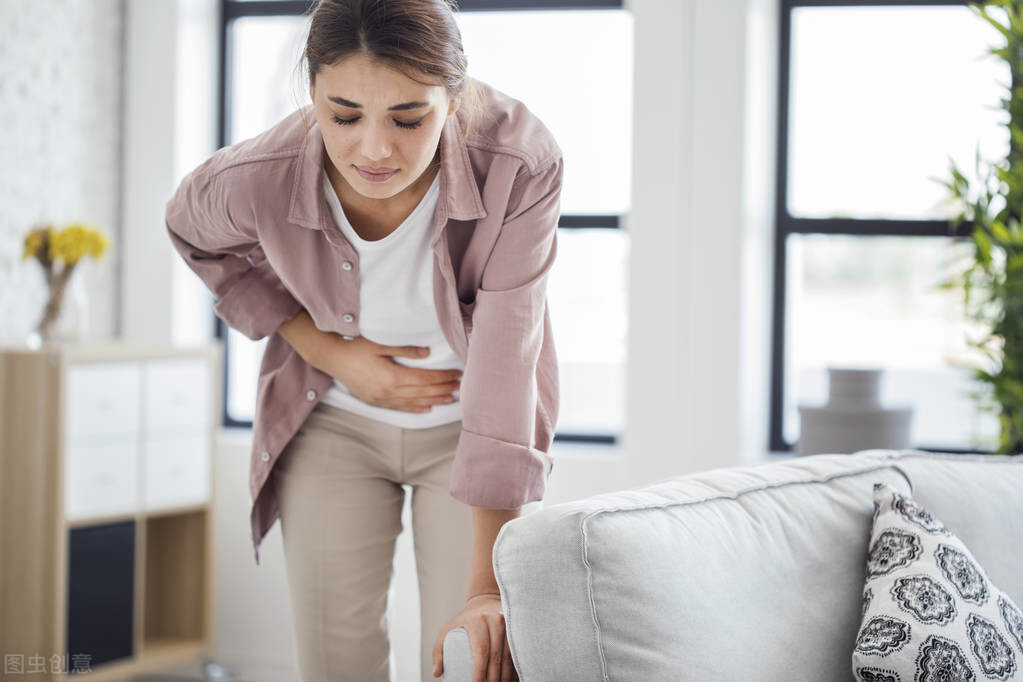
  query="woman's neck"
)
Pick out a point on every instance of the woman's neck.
point(397, 207)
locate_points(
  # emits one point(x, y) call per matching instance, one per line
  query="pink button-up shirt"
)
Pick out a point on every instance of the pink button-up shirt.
point(253, 223)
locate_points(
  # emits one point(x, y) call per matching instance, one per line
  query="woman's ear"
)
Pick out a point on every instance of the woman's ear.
point(453, 105)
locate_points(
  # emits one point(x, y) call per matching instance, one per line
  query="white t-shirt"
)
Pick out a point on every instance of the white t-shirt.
point(396, 306)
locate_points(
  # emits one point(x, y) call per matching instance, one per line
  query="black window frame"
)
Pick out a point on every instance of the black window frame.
point(234, 9)
point(786, 224)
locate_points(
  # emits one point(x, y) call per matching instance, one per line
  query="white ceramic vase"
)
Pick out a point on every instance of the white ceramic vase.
point(853, 419)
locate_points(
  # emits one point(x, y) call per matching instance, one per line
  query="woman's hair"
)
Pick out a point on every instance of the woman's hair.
point(419, 38)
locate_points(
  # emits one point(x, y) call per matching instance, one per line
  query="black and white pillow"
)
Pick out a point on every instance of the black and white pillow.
point(929, 610)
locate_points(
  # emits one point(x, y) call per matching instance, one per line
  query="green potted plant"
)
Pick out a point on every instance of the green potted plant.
point(992, 284)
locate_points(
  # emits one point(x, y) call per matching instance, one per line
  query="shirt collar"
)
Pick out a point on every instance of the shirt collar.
point(459, 195)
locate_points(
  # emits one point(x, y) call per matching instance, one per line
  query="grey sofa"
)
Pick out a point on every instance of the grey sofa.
point(741, 573)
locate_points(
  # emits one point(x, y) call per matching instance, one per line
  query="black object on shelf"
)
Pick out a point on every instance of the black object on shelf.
point(101, 580)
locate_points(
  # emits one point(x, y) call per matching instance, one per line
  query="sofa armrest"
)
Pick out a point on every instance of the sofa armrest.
point(457, 656)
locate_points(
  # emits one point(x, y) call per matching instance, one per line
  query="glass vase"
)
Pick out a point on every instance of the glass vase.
point(65, 318)
point(72, 324)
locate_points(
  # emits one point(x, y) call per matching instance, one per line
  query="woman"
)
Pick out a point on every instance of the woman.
point(391, 238)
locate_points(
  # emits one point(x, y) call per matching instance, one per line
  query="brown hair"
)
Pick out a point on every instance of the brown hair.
point(416, 37)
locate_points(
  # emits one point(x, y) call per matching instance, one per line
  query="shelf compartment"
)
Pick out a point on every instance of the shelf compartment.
point(177, 558)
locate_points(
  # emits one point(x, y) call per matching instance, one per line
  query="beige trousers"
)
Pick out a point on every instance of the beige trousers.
point(339, 483)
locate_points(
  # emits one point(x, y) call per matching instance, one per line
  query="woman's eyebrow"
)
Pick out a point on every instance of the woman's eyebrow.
point(397, 107)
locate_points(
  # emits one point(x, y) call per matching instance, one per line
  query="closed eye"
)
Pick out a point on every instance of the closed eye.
point(400, 124)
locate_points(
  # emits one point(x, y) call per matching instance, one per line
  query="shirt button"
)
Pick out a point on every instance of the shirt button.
point(311, 395)
point(347, 265)
point(348, 317)
point(265, 456)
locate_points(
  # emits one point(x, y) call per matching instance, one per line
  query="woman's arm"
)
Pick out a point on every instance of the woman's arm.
point(502, 459)
point(496, 464)
point(226, 254)
point(302, 334)
point(487, 524)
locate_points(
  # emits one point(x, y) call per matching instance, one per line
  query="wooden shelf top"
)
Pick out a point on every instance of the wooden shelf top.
point(114, 349)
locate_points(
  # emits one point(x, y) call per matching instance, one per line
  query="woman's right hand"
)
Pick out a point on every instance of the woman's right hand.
point(367, 370)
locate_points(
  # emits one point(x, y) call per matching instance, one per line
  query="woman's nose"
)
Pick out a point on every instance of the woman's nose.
point(375, 144)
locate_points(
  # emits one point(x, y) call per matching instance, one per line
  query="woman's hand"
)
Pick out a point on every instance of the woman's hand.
point(491, 657)
point(367, 369)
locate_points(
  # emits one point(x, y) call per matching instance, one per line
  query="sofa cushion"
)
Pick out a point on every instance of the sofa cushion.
point(735, 573)
point(930, 611)
point(983, 504)
point(716, 575)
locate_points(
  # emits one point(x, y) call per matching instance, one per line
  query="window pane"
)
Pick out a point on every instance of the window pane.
point(266, 81)
point(880, 98)
point(244, 356)
point(579, 84)
point(874, 301)
point(265, 84)
point(589, 316)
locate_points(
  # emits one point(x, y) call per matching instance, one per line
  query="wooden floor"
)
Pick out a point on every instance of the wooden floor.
point(191, 673)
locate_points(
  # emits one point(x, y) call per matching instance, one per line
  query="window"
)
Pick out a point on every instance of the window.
point(588, 61)
point(874, 99)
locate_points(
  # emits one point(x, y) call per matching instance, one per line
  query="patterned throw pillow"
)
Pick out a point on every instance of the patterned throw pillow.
point(929, 610)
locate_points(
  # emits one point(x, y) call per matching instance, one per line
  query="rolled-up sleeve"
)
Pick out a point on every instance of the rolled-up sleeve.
point(228, 258)
point(497, 463)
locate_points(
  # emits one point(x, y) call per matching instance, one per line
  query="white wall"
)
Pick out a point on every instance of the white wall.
point(171, 76)
point(196, 85)
point(756, 260)
point(60, 122)
point(701, 235)
point(104, 105)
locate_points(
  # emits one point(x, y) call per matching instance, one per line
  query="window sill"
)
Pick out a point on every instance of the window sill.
point(601, 452)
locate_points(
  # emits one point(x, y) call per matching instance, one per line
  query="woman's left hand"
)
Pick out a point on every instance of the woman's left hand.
point(491, 657)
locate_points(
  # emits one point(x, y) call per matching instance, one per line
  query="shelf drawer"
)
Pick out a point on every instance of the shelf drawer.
point(177, 470)
point(102, 399)
point(101, 477)
point(177, 394)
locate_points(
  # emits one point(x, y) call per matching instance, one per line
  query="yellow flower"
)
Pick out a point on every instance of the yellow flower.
point(77, 241)
point(69, 245)
point(37, 240)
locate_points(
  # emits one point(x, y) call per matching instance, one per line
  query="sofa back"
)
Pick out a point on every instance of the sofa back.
point(739, 573)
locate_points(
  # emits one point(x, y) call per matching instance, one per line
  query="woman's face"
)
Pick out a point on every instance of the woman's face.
point(393, 124)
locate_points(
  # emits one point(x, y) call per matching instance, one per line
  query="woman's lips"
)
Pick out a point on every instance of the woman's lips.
point(375, 177)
